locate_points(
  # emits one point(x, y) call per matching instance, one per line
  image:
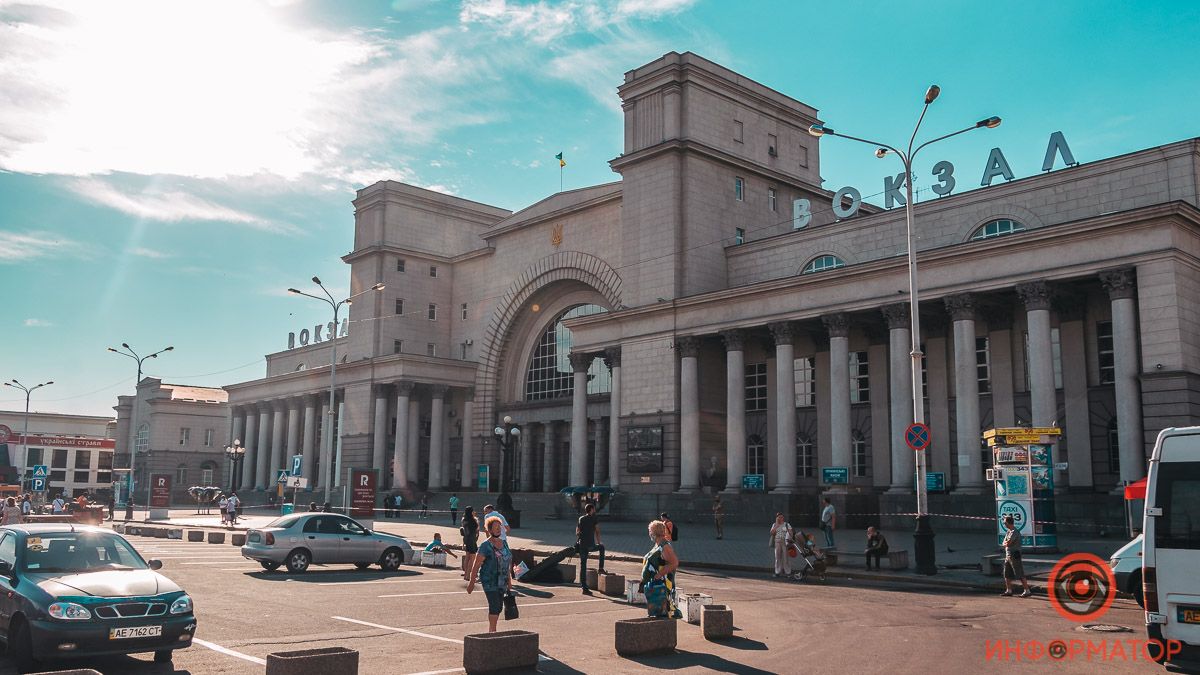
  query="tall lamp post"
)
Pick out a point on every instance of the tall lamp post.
point(128, 352)
point(25, 433)
point(926, 556)
point(236, 453)
point(506, 435)
point(336, 305)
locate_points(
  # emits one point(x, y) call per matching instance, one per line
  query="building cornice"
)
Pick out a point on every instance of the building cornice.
point(373, 249)
point(553, 215)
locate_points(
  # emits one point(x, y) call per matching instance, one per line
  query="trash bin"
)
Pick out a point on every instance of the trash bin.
point(287, 509)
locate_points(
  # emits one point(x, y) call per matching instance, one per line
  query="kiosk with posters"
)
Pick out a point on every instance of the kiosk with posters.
point(1023, 475)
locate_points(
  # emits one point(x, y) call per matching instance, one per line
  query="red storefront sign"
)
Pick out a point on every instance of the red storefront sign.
point(160, 490)
point(63, 441)
point(362, 493)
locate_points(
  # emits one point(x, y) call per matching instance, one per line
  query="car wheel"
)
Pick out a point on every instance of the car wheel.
point(163, 656)
point(361, 566)
point(1135, 588)
point(20, 647)
point(298, 561)
point(391, 560)
point(269, 565)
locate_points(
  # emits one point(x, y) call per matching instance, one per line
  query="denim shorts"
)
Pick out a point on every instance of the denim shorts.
point(495, 601)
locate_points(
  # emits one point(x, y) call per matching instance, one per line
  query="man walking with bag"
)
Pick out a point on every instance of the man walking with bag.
point(782, 537)
point(587, 538)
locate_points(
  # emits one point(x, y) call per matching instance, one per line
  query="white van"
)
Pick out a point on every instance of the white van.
point(1171, 547)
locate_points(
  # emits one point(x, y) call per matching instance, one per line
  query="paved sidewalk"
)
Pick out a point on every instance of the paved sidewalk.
point(744, 548)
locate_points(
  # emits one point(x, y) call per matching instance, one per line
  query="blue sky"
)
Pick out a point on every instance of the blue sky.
point(168, 169)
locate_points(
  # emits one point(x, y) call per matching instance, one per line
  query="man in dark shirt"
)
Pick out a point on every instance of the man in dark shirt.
point(587, 534)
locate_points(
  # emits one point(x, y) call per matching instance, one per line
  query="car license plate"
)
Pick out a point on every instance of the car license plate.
point(134, 632)
point(1188, 614)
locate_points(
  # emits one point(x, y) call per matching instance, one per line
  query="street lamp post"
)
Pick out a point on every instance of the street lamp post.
point(926, 555)
point(336, 305)
point(25, 432)
point(236, 453)
point(506, 435)
point(129, 353)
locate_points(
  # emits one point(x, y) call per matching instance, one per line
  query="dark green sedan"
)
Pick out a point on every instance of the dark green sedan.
point(69, 591)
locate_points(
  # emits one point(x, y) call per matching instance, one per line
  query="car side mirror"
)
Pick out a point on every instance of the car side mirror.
point(366, 533)
point(155, 564)
point(6, 568)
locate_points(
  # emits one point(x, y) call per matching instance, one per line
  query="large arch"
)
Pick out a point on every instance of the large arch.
point(555, 268)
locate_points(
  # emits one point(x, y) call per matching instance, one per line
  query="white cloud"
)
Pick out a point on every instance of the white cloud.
point(143, 252)
point(168, 206)
point(535, 163)
point(37, 323)
point(544, 22)
point(18, 247)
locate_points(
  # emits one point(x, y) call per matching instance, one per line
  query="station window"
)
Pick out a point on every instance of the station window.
point(805, 456)
point(433, 270)
point(738, 130)
point(106, 461)
point(83, 459)
point(756, 387)
point(858, 453)
point(397, 346)
point(399, 264)
point(739, 189)
point(185, 435)
point(739, 236)
point(805, 373)
point(1105, 352)
point(997, 228)
point(181, 474)
point(208, 439)
point(1114, 448)
point(33, 456)
point(983, 364)
point(772, 202)
point(772, 145)
point(432, 312)
point(464, 311)
point(399, 306)
point(756, 454)
point(207, 470)
point(822, 263)
point(860, 385)
point(431, 349)
point(60, 458)
point(80, 477)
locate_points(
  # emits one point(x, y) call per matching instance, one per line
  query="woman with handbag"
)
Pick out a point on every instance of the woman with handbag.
point(658, 571)
point(493, 569)
point(782, 537)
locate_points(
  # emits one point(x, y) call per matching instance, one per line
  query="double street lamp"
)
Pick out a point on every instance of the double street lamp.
point(236, 453)
point(506, 435)
point(128, 352)
point(336, 305)
point(25, 433)
point(926, 562)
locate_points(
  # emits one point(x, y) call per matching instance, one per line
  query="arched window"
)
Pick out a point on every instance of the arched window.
point(208, 470)
point(756, 454)
point(858, 452)
point(181, 475)
point(997, 228)
point(805, 456)
point(1114, 448)
point(141, 442)
point(300, 366)
point(549, 374)
point(822, 263)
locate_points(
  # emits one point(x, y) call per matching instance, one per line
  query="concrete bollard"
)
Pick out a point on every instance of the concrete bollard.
point(175, 533)
point(158, 533)
point(612, 584)
point(195, 535)
point(692, 604)
point(503, 651)
point(237, 539)
point(593, 580)
point(647, 635)
point(568, 571)
point(216, 537)
point(119, 528)
point(325, 661)
point(716, 622)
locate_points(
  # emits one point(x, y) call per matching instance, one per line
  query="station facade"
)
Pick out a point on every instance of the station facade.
point(710, 316)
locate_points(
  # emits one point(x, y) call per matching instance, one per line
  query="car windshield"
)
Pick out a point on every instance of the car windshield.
point(284, 522)
point(79, 552)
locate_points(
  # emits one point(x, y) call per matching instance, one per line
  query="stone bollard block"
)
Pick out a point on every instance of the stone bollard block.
point(195, 535)
point(692, 604)
point(325, 661)
point(716, 622)
point(612, 584)
point(593, 580)
point(175, 533)
point(647, 635)
point(160, 533)
point(216, 537)
point(237, 539)
point(119, 528)
point(568, 572)
point(502, 651)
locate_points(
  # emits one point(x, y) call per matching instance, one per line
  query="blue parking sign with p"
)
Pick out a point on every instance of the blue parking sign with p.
point(38, 485)
point(297, 463)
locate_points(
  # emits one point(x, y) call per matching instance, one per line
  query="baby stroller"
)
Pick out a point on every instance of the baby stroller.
point(809, 562)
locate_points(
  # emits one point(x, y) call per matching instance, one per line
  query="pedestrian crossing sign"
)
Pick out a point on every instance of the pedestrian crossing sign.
point(282, 477)
point(41, 471)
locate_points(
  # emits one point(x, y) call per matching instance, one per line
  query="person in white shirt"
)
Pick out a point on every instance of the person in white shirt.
point(782, 537)
point(490, 511)
point(59, 505)
point(231, 507)
point(828, 522)
point(223, 507)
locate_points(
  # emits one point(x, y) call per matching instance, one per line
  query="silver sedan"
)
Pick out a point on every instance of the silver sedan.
point(300, 540)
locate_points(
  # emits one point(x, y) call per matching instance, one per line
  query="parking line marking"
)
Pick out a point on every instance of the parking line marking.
point(440, 672)
point(399, 630)
point(413, 595)
point(537, 604)
point(229, 652)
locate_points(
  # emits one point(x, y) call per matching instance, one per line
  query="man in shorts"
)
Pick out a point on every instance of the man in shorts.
point(1013, 569)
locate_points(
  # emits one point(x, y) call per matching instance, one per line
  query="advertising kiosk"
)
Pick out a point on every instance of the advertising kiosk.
point(1023, 474)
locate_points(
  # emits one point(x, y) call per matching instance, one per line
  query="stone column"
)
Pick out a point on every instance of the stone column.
point(239, 428)
point(838, 327)
point(306, 446)
point(529, 443)
point(1000, 321)
point(1122, 292)
point(612, 358)
point(379, 434)
point(414, 439)
point(467, 475)
point(263, 465)
point(904, 462)
point(689, 414)
point(250, 441)
point(437, 447)
point(962, 310)
point(278, 439)
point(548, 459)
point(1077, 428)
point(600, 460)
point(401, 448)
point(785, 406)
point(1037, 295)
point(326, 459)
point(735, 409)
point(293, 432)
point(578, 461)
